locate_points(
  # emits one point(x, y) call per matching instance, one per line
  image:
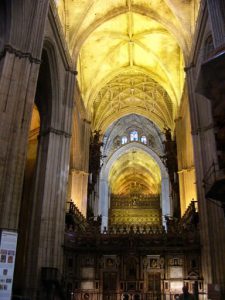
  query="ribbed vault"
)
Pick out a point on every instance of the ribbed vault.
point(130, 45)
point(120, 43)
point(130, 57)
point(132, 91)
point(135, 171)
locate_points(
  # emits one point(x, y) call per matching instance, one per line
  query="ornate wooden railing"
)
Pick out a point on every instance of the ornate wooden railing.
point(74, 218)
point(191, 214)
point(135, 230)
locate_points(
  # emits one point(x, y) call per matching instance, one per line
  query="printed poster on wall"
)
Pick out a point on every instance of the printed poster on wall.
point(8, 242)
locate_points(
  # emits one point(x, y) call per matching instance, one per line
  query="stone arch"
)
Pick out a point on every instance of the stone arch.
point(47, 94)
point(46, 103)
point(127, 111)
point(36, 161)
point(104, 175)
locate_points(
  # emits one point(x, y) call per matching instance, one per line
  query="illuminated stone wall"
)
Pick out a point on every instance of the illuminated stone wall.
point(78, 178)
point(185, 156)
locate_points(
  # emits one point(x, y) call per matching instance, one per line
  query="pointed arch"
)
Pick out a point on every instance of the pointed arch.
point(104, 199)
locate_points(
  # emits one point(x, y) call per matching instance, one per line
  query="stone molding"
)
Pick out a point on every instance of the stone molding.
point(55, 131)
point(60, 39)
point(18, 53)
point(186, 170)
point(74, 170)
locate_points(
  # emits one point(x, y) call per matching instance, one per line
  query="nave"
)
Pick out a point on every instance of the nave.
point(112, 149)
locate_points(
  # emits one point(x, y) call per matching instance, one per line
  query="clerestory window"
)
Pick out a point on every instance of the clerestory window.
point(124, 140)
point(144, 139)
point(134, 136)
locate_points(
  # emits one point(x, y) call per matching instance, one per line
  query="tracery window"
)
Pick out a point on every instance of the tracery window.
point(134, 136)
point(144, 139)
point(124, 140)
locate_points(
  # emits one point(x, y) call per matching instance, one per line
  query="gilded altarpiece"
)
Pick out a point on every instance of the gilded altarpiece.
point(135, 210)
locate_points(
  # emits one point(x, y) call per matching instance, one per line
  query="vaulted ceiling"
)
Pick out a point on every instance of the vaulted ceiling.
point(130, 55)
point(135, 170)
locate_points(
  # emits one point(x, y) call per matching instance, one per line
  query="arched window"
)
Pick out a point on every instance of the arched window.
point(134, 136)
point(124, 140)
point(144, 139)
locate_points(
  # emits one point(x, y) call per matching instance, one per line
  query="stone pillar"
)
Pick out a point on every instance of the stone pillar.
point(104, 201)
point(48, 216)
point(79, 189)
point(202, 204)
point(165, 199)
point(216, 9)
point(84, 191)
point(46, 232)
point(85, 161)
point(86, 140)
point(20, 61)
point(185, 155)
point(211, 216)
point(79, 161)
point(187, 187)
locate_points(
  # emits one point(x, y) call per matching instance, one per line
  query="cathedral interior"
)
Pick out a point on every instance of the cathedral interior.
point(112, 149)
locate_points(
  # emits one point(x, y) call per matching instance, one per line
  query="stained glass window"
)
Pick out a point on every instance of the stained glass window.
point(144, 139)
point(124, 140)
point(134, 136)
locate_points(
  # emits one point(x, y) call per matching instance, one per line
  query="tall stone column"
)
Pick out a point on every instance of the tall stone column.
point(19, 66)
point(212, 221)
point(79, 189)
point(79, 161)
point(84, 190)
point(165, 199)
point(86, 141)
point(104, 201)
point(216, 9)
point(187, 187)
point(48, 217)
point(85, 161)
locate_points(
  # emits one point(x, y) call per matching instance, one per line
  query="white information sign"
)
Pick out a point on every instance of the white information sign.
point(8, 242)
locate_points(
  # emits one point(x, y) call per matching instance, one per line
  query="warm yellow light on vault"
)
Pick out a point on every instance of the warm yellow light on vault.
point(135, 169)
point(107, 38)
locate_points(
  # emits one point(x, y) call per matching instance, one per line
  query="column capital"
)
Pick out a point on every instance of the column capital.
point(55, 131)
point(74, 170)
point(184, 170)
point(19, 53)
